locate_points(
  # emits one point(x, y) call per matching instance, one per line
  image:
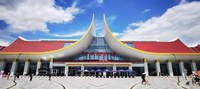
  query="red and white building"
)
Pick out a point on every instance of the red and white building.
point(92, 55)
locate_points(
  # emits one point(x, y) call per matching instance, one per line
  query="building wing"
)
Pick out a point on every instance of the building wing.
point(140, 51)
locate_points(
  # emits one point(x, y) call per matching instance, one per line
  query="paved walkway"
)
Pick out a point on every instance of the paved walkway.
point(159, 83)
point(98, 83)
point(94, 83)
point(4, 83)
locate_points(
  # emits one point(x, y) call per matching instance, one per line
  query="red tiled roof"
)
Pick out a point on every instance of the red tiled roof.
point(163, 47)
point(20, 45)
point(177, 46)
point(196, 49)
point(2, 47)
point(198, 46)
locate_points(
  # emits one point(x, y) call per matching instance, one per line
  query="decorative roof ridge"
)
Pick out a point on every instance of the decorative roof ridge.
point(22, 38)
point(197, 45)
point(195, 48)
point(58, 39)
point(19, 38)
point(139, 41)
point(178, 40)
point(26, 40)
point(3, 46)
point(174, 39)
point(157, 41)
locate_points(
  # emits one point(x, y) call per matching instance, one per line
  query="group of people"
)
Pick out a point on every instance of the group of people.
point(30, 75)
point(196, 78)
point(17, 76)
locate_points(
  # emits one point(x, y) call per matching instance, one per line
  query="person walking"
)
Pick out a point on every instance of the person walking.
point(193, 77)
point(143, 79)
point(15, 77)
point(31, 76)
point(8, 75)
point(49, 76)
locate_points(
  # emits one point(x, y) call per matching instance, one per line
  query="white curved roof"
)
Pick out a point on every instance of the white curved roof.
point(130, 52)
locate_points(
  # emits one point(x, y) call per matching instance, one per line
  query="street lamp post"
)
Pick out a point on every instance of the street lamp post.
point(176, 68)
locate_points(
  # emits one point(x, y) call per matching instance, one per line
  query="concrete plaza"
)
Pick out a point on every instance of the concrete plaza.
point(42, 82)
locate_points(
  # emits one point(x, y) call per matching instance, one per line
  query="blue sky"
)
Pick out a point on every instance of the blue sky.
point(128, 19)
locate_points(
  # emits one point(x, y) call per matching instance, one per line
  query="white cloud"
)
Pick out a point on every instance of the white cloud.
point(117, 34)
point(182, 21)
point(79, 33)
point(111, 19)
point(100, 1)
point(4, 43)
point(6, 35)
point(31, 15)
point(183, 2)
point(146, 10)
point(93, 4)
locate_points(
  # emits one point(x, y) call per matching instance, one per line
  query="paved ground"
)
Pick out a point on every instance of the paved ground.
point(94, 83)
